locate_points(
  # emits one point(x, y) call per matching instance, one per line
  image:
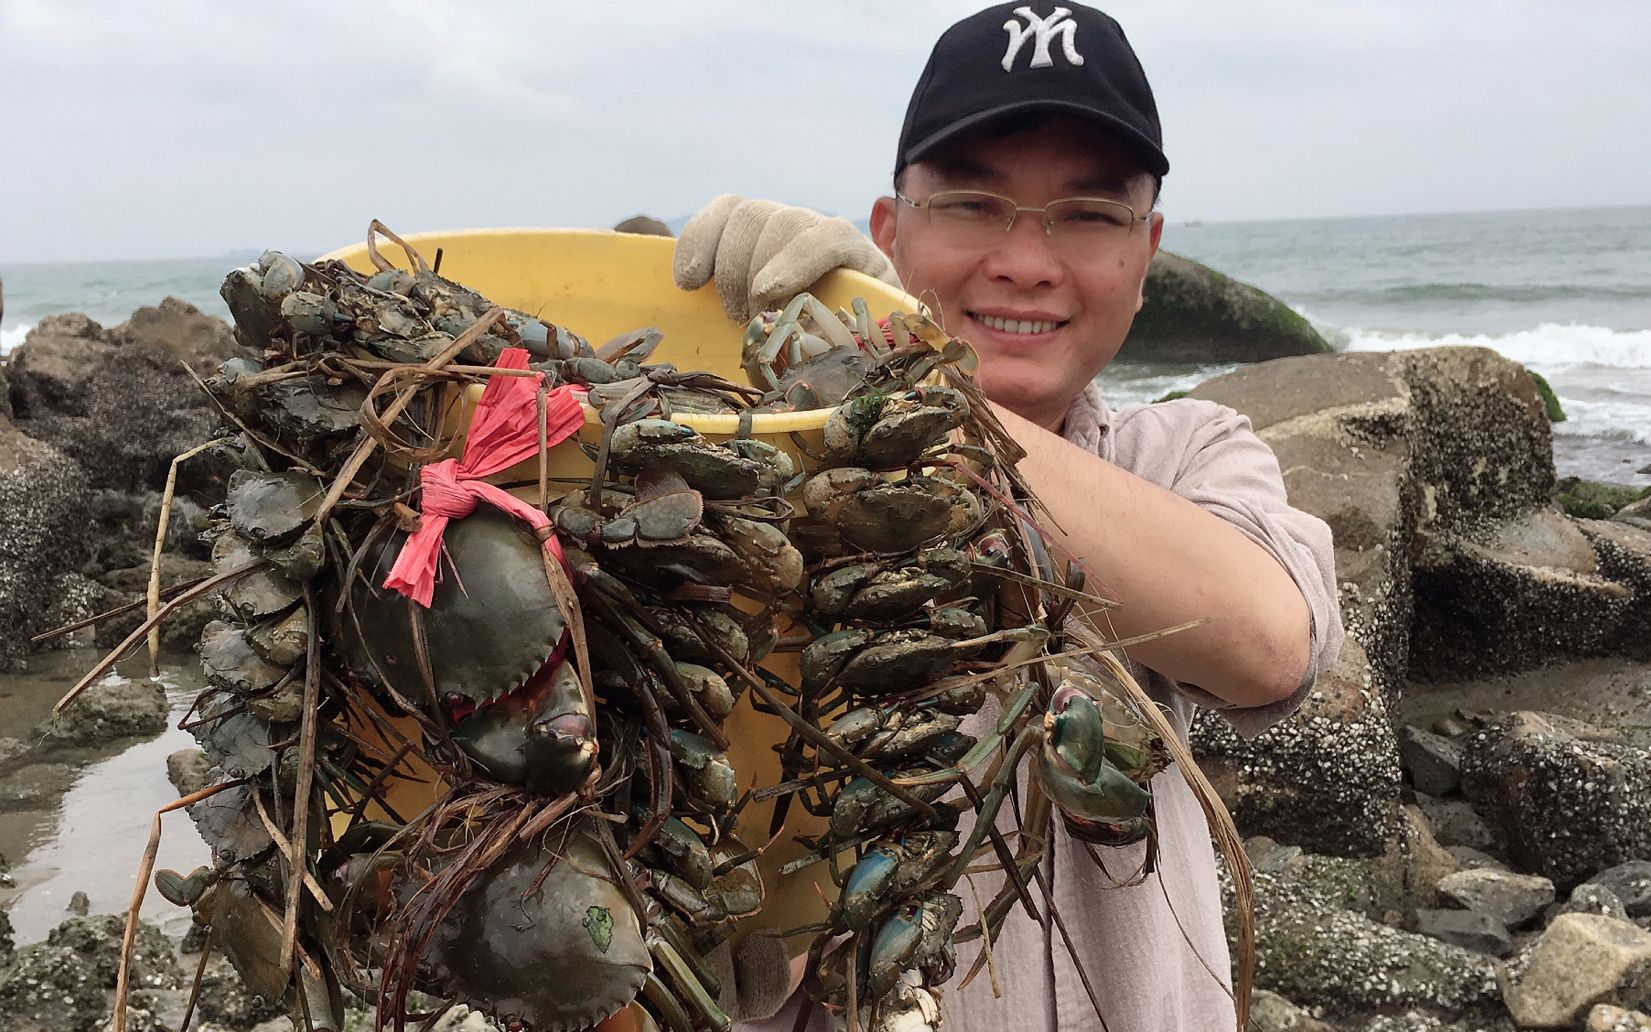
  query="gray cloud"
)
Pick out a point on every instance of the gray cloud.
point(173, 128)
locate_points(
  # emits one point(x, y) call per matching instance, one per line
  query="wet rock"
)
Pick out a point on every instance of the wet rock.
point(1328, 775)
point(74, 598)
point(43, 534)
point(142, 410)
point(1581, 960)
point(225, 1000)
point(1571, 799)
point(180, 331)
point(1456, 823)
point(182, 628)
point(1468, 929)
point(1589, 898)
point(1310, 947)
point(1270, 1012)
point(1512, 899)
point(79, 904)
point(49, 370)
point(113, 709)
point(1469, 859)
point(7, 944)
point(1631, 882)
point(1194, 314)
point(1624, 554)
point(1606, 1017)
point(1636, 514)
point(1510, 597)
point(189, 771)
point(1434, 763)
point(1269, 856)
point(51, 988)
point(1419, 1021)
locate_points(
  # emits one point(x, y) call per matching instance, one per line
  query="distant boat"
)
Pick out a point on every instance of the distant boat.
point(1192, 223)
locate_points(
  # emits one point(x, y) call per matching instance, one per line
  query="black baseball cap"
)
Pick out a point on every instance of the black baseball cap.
point(1015, 58)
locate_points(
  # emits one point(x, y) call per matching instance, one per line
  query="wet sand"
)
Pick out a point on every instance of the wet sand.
point(79, 819)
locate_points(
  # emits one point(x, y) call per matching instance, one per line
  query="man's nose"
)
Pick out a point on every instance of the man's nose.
point(1025, 256)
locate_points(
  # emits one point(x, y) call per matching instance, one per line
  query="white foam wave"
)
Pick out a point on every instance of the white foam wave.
point(1548, 346)
point(1607, 420)
point(10, 338)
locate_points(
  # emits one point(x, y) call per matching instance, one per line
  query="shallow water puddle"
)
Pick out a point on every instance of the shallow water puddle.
point(80, 821)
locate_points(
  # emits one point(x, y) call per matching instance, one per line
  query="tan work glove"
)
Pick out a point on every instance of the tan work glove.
point(763, 253)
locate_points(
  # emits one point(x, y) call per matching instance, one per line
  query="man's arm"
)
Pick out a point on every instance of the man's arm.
point(1170, 562)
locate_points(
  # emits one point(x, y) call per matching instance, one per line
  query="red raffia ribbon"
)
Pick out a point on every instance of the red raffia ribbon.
point(504, 430)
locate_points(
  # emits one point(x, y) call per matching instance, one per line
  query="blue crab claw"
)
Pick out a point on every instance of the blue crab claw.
point(1074, 770)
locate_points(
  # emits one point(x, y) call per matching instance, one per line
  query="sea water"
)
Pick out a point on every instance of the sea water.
point(1566, 292)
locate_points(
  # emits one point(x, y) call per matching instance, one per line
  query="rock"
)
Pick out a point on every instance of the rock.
point(50, 369)
point(180, 331)
point(1514, 596)
point(1270, 1012)
point(1433, 763)
point(1637, 514)
point(1385, 448)
point(1456, 823)
point(1608, 1018)
point(73, 598)
point(174, 569)
point(645, 224)
point(1194, 314)
point(1469, 859)
point(1268, 856)
point(1589, 898)
point(1580, 961)
point(1590, 499)
point(112, 709)
point(1624, 554)
point(79, 904)
point(43, 534)
point(141, 410)
point(1570, 798)
point(1511, 899)
point(1328, 775)
point(1308, 947)
point(51, 988)
point(1468, 929)
point(35, 786)
point(1631, 882)
point(226, 1002)
point(189, 771)
point(6, 943)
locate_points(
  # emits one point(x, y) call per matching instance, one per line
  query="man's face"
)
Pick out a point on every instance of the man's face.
point(1045, 317)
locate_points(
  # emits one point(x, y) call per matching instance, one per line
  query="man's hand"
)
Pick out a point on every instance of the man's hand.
point(763, 253)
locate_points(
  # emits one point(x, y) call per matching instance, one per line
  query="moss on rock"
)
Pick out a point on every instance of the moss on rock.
point(1193, 313)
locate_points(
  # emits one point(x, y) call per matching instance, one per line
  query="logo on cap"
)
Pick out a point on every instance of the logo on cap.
point(1058, 23)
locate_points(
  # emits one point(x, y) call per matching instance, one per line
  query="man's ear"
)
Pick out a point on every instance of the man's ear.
point(882, 225)
point(1155, 234)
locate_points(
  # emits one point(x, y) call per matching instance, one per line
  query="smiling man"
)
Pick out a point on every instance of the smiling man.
point(1025, 182)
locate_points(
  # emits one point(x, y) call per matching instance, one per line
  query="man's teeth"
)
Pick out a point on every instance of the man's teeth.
point(1017, 325)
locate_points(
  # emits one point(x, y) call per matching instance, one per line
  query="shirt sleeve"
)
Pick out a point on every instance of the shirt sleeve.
point(1207, 454)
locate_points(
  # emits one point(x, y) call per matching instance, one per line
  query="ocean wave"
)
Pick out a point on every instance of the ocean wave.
point(1622, 421)
point(10, 338)
point(1548, 346)
point(1411, 293)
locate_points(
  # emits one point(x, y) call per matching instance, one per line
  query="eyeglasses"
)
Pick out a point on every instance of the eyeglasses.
point(1084, 223)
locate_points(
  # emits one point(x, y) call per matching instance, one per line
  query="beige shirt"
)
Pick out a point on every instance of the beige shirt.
point(1155, 952)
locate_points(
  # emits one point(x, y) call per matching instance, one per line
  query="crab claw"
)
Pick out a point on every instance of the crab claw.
point(1076, 774)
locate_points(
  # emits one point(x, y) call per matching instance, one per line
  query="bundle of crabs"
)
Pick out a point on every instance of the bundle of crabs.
point(582, 749)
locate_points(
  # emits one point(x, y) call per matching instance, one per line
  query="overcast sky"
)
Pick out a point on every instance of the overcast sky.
point(169, 129)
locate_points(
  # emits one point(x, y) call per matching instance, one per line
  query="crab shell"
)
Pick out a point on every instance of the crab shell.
point(564, 956)
point(491, 625)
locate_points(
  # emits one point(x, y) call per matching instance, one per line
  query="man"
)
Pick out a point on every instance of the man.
point(1025, 181)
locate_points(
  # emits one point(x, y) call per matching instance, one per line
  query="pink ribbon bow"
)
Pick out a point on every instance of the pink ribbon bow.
point(504, 430)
